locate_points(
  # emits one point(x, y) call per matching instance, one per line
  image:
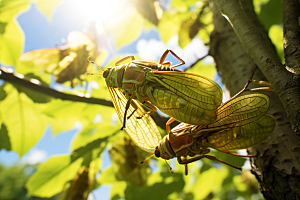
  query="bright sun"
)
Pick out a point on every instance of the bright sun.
point(101, 10)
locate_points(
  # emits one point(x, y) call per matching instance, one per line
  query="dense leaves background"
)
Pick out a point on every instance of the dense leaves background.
point(25, 111)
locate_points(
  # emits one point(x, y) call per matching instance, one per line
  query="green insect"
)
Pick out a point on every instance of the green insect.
point(141, 87)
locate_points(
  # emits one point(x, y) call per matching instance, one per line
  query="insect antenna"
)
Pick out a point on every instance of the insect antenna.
point(144, 160)
point(94, 64)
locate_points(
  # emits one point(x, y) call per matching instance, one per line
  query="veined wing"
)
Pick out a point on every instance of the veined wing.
point(242, 137)
point(239, 111)
point(198, 90)
point(144, 131)
point(41, 58)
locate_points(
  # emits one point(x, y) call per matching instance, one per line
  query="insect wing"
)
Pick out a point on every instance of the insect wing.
point(242, 137)
point(239, 111)
point(144, 131)
point(42, 58)
point(189, 98)
point(200, 91)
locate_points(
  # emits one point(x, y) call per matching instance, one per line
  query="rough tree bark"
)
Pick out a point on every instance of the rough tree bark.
point(277, 166)
point(286, 83)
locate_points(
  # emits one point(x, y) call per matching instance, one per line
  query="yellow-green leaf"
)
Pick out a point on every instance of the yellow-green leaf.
point(276, 36)
point(47, 7)
point(11, 43)
point(51, 176)
point(24, 121)
point(127, 29)
point(209, 181)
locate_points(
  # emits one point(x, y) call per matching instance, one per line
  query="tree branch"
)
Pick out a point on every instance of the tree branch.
point(291, 34)
point(193, 64)
point(285, 84)
point(270, 167)
point(35, 85)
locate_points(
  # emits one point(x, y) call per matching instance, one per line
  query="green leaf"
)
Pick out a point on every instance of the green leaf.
point(4, 141)
point(165, 184)
point(170, 22)
point(118, 190)
point(52, 176)
point(12, 37)
point(3, 93)
point(9, 8)
point(183, 4)
point(60, 122)
point(238, 182)
point(126, 31)
point(93, 148)
point(2, 27)
point(183, 34)
point(11, 43)
point(276, 36)
point(92, 132)
point(12, 181)
point(124, 153)
point(257, 4)
point(49, 180)
point(147, 10)
point(23, 119)
point(63, 115)
point(209, 181)
point(47, 7)
point(271, 13)
point(207, 25)
point(107, 177)
point(208, 71)
point(67, 109)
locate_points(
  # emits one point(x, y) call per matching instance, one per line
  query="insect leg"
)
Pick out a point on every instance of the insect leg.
point(186, 170)
point(133, 104)
point(131, 114)
point(268, 86)
point(170, 168)
point(171, 120)
point(234, 154)
point(125, 58)
point(205, 156)
point(186, 161)
point(215, 159)
point(126, 109)
point(149, 107)
point(163, 57)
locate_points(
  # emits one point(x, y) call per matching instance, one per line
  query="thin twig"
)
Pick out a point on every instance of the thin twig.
point(38, 87)
point(192, 65)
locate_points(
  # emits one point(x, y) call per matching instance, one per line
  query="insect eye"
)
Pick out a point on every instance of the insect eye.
point(156, 152)
point(106, 72)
